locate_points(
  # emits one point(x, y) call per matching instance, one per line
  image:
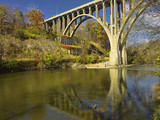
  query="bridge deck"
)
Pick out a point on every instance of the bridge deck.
point(79, 8)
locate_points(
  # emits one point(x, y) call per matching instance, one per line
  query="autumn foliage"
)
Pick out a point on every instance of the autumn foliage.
point(35, 17)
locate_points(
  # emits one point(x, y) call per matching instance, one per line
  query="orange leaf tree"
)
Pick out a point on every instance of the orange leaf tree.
point(35, 17)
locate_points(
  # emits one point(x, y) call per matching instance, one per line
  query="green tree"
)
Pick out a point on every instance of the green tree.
point(90, 27)
point(102, 37)
point(19, 19)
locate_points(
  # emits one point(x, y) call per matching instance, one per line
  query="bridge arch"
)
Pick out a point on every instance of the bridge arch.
point(116, 31)
point(87, 16)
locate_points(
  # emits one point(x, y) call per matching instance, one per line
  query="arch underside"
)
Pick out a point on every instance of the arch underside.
point(122, 40)
point(87, 16)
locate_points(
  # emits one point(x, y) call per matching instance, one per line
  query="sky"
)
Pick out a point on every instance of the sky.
point(48, 7)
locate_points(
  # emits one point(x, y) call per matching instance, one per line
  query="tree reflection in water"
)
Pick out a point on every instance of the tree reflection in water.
point(118, 103)
point(107, 94)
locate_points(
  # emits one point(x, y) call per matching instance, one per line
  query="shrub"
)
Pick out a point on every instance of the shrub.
point(41, 65)
point(92, 58)
point(12, 65)
point(52, 35)
point(20, 33)
point(53, 59)
point(32, 35)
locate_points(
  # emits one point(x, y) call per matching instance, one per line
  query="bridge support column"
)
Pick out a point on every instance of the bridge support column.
point(124, 55)
point(63, 23)
point(104, 13)
point(84, 12)
point(78, 13)
point(97, 11)
point(90, 10)
point(72, 26)
point(46, 27)
point(114, 53)
point(58, 25)
point(115, 16)
point(111, 17)
point(72, 16)
point(54, 26)
point(68, 21)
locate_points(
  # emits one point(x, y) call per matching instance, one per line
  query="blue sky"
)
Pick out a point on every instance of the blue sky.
point(48, 7)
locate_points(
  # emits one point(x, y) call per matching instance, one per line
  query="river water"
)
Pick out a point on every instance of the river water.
point(79, 94)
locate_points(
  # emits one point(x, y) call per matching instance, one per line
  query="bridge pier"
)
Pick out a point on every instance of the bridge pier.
point(90, 11)
point(54, 25)
point(114, 57)
point(46, 26)
point(97, 11)
point(124, 55)
point(63, 23)
point(104, 13)
point(68, 21)
point(58, 25)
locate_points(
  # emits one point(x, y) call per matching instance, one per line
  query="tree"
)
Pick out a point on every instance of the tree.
point(103, 39)
point(9, 20)
point(90, 27)
point(35, 17)
point(19, 19)
point(148, 24)
point(2, 17)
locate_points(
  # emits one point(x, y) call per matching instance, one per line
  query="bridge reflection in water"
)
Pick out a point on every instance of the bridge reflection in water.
point(118, 103)
point(100, 94)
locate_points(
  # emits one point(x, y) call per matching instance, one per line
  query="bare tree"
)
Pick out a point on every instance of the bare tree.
point(148, 24)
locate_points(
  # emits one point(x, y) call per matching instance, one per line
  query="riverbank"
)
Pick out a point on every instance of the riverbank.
point(19, 65)
point(103, 65)
point(33, 65)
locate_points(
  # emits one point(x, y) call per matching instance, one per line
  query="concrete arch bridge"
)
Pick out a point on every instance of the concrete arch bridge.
point(123, 14)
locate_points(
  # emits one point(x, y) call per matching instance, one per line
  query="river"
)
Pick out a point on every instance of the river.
point(79, 94)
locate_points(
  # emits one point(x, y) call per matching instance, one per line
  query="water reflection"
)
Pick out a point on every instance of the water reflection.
point(119, 103)
point(113, 94)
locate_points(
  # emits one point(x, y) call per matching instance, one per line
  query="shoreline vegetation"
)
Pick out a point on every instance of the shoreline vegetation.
point(41, 54)
point(31, 54)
